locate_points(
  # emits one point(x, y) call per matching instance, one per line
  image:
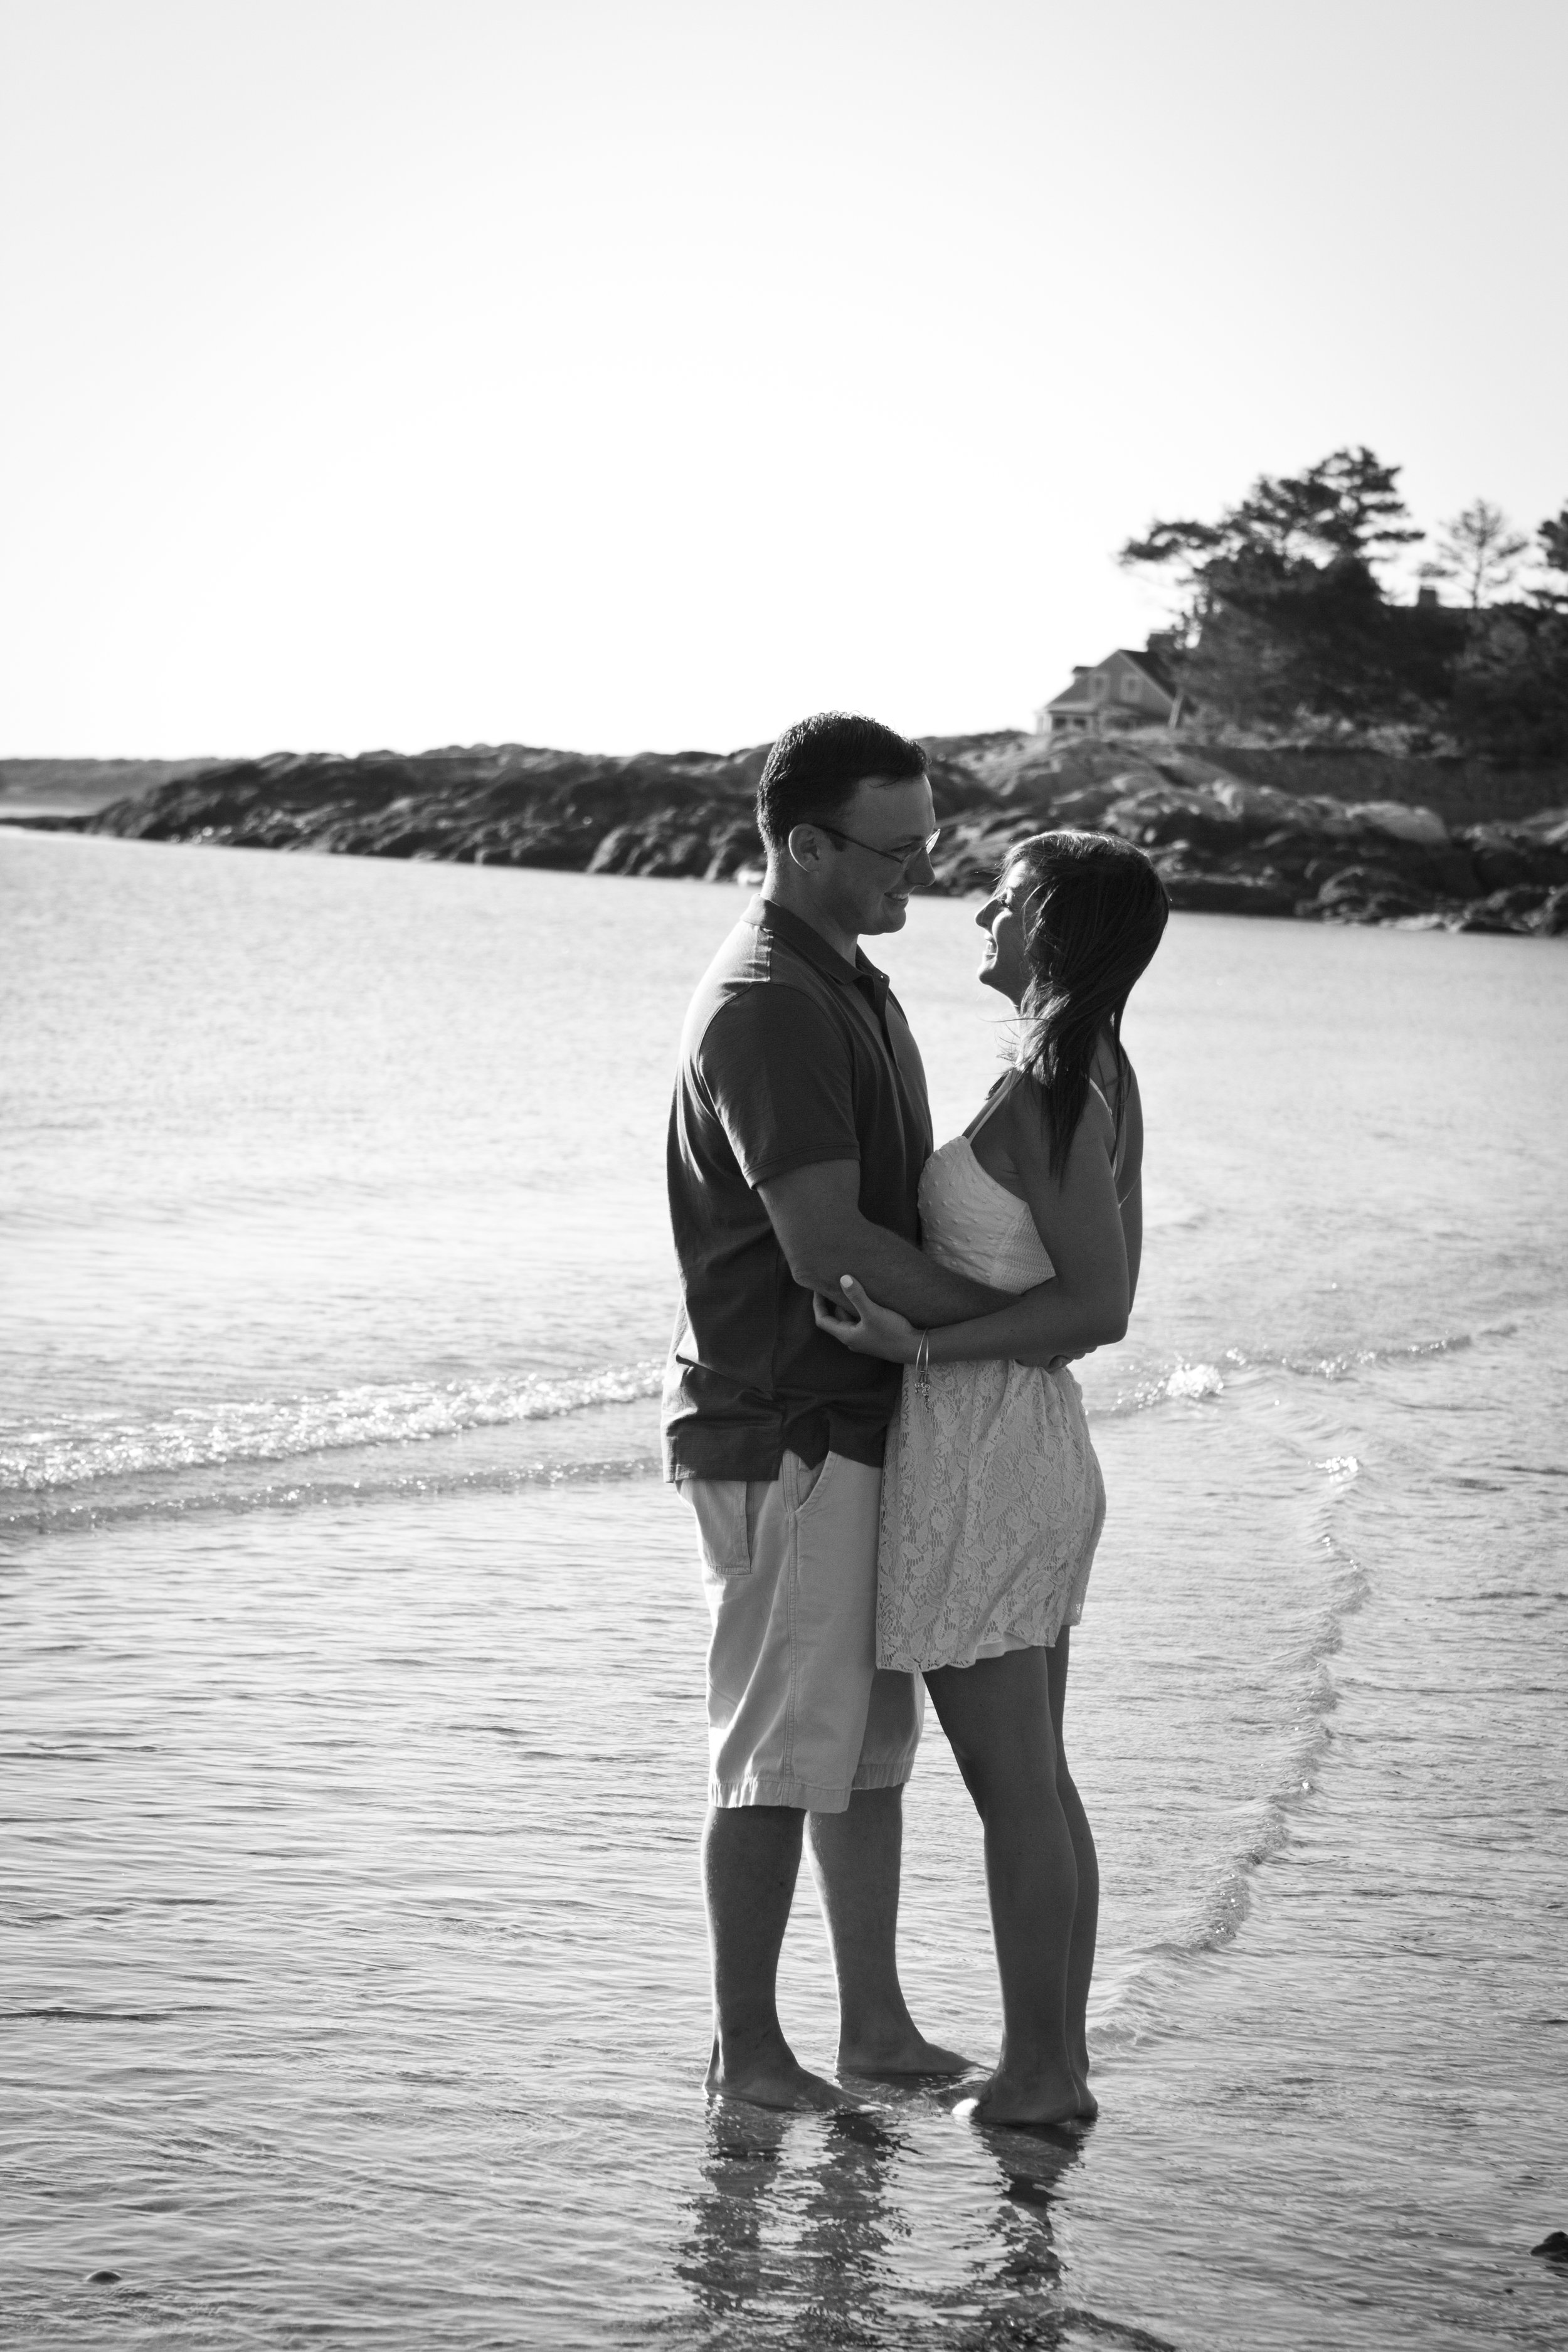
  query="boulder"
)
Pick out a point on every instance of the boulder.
point(1081, 808)
point(1369, 894)
point(1258, 809)
point(1192, 891)
point(668, 841)
point(736, 845)
point(1160, 814)
point(1526, 907)
point(1548, 826)
point(1423, 826)
point(1505, 855)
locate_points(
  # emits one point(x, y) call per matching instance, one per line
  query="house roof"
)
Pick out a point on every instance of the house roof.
point(1151, 667)
point(1077, 695)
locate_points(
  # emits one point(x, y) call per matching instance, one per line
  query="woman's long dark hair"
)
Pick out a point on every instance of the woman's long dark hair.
point(1094, 914)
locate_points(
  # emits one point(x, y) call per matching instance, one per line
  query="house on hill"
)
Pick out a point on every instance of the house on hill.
point(1125, 689)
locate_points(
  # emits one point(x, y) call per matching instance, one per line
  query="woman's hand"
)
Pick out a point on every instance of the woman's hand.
point(864, 1327)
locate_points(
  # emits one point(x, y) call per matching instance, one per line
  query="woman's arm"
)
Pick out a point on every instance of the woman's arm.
point(1133, 1236)
point(1133, 1177)
point(1076, 1215)
point(1084, 1307)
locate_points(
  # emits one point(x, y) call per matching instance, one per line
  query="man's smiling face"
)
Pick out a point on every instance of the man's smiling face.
point(874, 855)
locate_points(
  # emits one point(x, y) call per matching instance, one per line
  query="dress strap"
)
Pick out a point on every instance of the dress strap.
point(994, 1102)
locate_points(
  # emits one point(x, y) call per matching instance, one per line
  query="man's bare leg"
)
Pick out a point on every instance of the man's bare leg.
point(750, 1859)
point(855, 1858)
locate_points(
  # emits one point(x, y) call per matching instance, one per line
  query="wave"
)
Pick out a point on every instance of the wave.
point(44, 1513)
point(1194, 1382)
point(1143, 2002)
point(197, 1459)
point(276, 1429)
point(1339, 1367)
point(1191, 1380)
point(1407, 1351)
point(42, 1461)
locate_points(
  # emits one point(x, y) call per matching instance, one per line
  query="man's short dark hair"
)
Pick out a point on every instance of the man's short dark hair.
point(815, 766)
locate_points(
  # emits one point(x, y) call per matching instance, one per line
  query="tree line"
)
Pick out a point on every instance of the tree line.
point(1285, 617)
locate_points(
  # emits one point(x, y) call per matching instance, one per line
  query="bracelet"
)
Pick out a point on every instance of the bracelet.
point(922, 1366)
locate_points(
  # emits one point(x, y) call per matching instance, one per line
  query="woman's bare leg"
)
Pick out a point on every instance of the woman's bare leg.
point(1086, 1913)
point(997, 1714)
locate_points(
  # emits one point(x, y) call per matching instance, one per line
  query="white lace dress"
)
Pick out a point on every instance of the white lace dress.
point(991, 1497)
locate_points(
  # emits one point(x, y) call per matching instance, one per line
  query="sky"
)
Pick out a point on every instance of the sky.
point(645, 373)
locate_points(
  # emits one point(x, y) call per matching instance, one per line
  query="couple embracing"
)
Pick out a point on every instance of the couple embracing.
point(869, 1407)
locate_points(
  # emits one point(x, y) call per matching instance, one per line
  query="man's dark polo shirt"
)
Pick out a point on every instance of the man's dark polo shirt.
point(789, 1056)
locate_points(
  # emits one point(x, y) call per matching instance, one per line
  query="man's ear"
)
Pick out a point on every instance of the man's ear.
point(804, 847)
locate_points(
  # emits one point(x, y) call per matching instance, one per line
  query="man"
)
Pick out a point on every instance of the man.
point(799, 1129)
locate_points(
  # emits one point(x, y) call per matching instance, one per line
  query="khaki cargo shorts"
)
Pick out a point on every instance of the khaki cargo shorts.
point(798, 1711)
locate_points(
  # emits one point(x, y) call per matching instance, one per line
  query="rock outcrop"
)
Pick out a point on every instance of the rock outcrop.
point(1225, 842)
point(1226, 845)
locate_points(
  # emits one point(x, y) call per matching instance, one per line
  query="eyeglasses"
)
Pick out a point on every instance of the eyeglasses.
point(902, 857)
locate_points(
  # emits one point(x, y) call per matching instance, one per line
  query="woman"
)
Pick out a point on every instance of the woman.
point(992, 1499)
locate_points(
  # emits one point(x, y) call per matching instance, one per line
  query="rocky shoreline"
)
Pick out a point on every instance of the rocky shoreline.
point(1357, 837)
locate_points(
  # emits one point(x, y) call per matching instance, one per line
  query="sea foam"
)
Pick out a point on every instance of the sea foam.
point(275, 1429)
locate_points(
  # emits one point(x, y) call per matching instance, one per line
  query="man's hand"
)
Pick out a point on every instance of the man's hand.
point(815, 1211)
point(863, 1326)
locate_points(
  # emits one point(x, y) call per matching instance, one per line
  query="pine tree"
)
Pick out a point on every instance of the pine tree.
point(1283, 611)
point(1480, 549)
point(1553, 538)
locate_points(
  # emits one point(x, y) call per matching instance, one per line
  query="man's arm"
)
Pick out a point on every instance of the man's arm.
point(816, 1213)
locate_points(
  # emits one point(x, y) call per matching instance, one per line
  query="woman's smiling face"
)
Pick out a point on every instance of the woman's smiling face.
point(1004, 918)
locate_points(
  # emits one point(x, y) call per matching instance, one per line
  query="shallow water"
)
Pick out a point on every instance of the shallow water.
point(352, 1970)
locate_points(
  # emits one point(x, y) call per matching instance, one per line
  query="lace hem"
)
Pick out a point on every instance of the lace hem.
point(992, 1509)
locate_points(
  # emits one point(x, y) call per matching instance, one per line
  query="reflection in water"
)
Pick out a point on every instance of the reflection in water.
point(800, 2235)
point(721, 2260)
point(824, 2266)
point(1014, 2279)
point(843, 2263)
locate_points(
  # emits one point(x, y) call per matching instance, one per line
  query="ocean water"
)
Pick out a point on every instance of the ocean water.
point(353, 1981)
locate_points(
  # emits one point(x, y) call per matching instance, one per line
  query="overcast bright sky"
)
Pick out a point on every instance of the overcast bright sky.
point(647, 373)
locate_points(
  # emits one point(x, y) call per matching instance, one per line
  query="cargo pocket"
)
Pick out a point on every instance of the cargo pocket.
point(723, 1530)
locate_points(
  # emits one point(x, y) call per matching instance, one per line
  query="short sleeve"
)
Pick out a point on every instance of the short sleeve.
point(778, 1072)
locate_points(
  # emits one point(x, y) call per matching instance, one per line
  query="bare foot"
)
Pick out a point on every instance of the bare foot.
point(777, 2083)
point(907, 2052)
point(1088, 2106)
point(1039, 2099)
